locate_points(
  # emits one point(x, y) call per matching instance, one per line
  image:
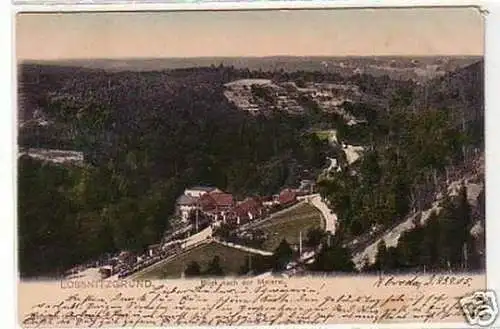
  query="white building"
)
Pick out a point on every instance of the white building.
point(198, 191)
point(188, 202)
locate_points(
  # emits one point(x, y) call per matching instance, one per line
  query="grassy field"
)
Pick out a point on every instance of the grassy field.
point(230, 259)
point(323, 134)
point(288, 225)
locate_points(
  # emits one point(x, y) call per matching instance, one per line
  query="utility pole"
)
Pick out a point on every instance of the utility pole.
point(465, 255)
point(464, 126)
point(300, 244)
point(463, 132)
point(426, 95)
point(196, 224)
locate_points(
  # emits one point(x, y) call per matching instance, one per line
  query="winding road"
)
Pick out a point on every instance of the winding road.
point(330, 217)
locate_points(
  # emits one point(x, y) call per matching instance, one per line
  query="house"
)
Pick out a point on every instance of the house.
point(207, 203)
point(358, 71)
point(307, 185)
point(190, 200)
point(186, 204)
point(287, 197)
point(223, 200)
point(270, 201)
point(216, 202)
point(246, 210)
point(154, 249)
point(198, 191)
point(127, 257)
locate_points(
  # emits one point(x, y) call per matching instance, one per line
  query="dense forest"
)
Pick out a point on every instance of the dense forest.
point(148, 135)
point(406, 162)
point(443, 243)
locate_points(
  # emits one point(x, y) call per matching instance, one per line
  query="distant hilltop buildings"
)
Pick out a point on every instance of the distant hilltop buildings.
point(258, 95)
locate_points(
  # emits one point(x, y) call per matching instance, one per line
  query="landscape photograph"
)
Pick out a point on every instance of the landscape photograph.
point(164, 145)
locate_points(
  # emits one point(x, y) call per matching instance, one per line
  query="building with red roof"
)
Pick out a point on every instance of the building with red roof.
point(223, 201)
point(216, 202)
point(287, 197)
point(247, 210)
point(207, 203)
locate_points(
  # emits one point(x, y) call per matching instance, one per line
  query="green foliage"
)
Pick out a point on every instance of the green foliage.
point(333, 257)
point(314, 237)
point(255, 264)
point(214, 269)
point(361, 111)
point(73, 214)
point(381, 259)
point(245, 267)
point(282, 256)
point(301, 83)
point(223, 231)
point(443, 243)
point(406, 160)
point(145, 138)
point(261, 92)
point(148, 135)
point(46, 245)
point(193, 270)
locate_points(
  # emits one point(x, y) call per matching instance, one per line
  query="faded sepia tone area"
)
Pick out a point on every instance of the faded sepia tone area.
point(354, 32)
point(270, 301)
point(269, 146)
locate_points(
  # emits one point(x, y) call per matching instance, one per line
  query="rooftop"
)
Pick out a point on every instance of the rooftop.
point(223, 199)
point(186, 200)
point(202, 188)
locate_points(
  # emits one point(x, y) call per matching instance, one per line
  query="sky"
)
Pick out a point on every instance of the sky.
point(348, 32)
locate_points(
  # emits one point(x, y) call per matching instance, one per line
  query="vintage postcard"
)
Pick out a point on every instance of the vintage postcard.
point(252, 168)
